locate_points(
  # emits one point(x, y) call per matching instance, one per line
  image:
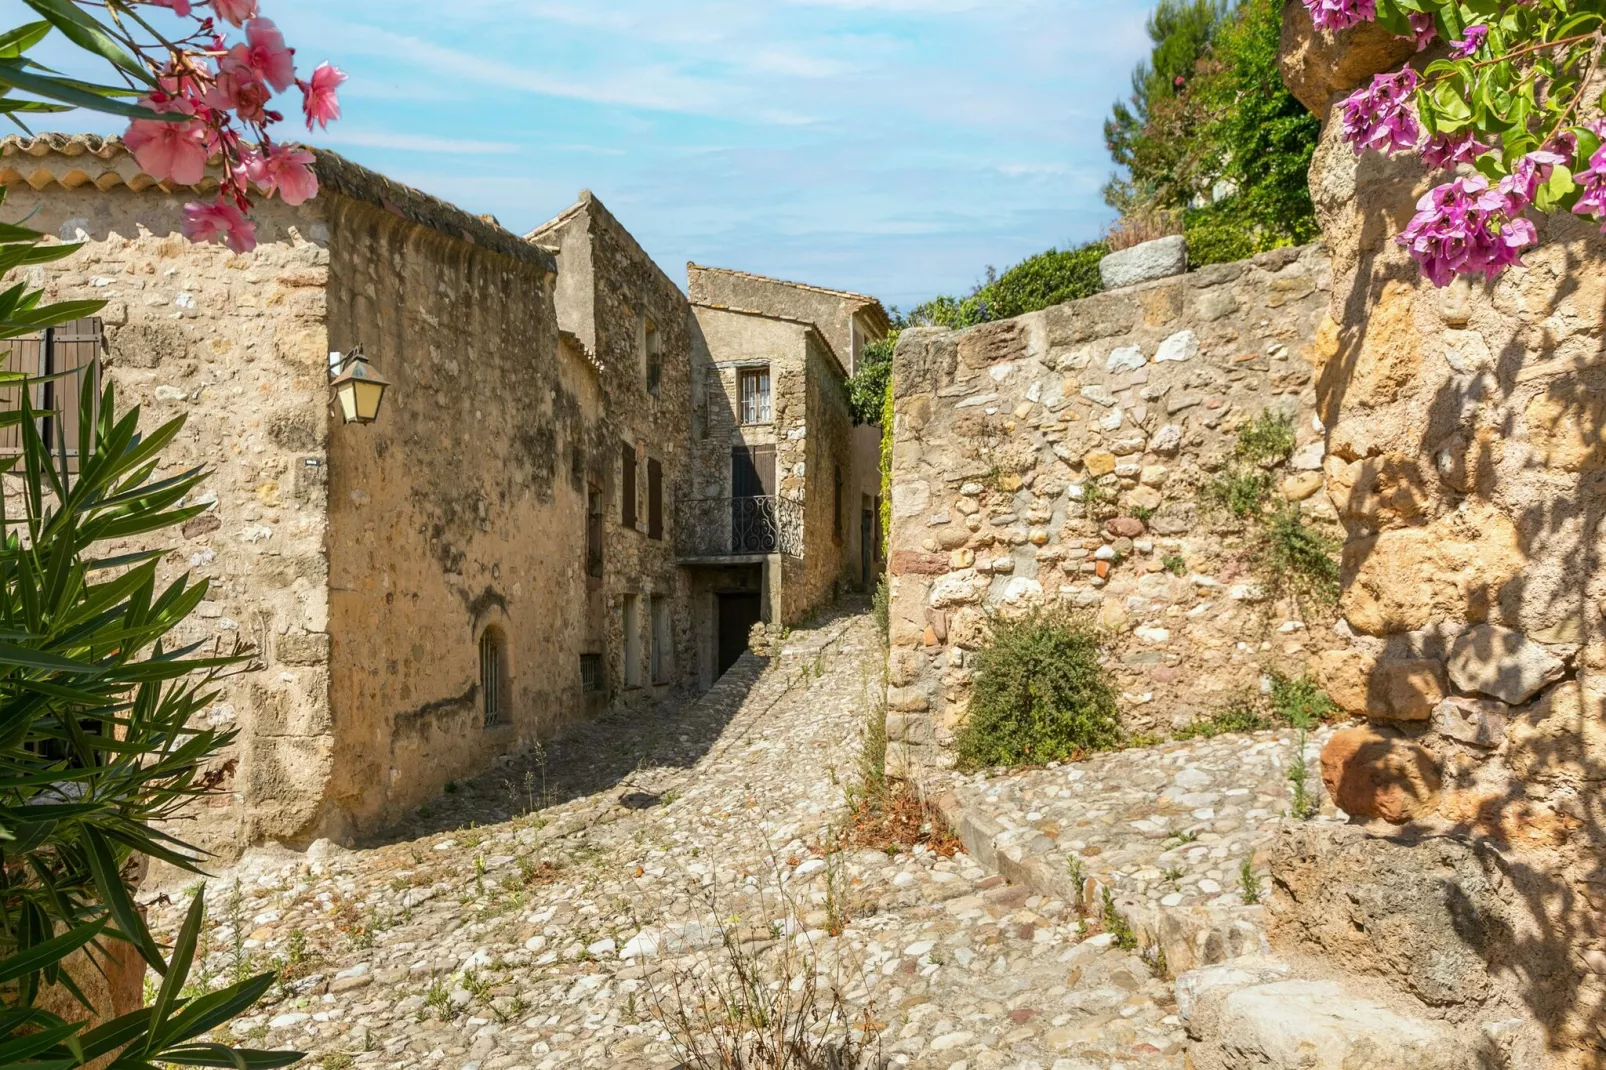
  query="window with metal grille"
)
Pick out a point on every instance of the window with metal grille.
point(590, 672)
point(69, 353)
point(627, 486)
point(754, 386)
point(492, 679)
point(655, 499)
point(594, 530)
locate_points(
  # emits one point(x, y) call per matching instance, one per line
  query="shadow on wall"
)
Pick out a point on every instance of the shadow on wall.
point(1468, 463)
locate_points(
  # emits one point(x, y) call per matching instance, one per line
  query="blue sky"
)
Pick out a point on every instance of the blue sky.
point(894, 147)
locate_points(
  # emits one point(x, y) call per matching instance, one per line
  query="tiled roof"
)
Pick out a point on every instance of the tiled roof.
point(75, 160)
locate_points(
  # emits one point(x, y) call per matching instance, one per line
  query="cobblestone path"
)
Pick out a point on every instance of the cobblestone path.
point(544, 939)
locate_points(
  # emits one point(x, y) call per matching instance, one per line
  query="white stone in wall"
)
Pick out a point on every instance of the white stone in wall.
point(1156, 259)
point(1309, 458)
point(1126, 359)
point(1184, 345)
point(1167, 440)
point(1020, 589)
point(910, 498)
point(1111, 421)
point(1000, 372)
point(1099, 394)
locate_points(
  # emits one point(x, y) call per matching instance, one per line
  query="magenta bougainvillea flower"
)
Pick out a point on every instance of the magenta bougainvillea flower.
point(1462, 228)
point(1423, 29)
point(1381, 116)
point(1340, 14)
point(1592, 201)
point(1447, 150)
point(1469, 44)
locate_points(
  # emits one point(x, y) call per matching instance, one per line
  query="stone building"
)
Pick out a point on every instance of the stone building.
point(785, 494)
point(407, 585)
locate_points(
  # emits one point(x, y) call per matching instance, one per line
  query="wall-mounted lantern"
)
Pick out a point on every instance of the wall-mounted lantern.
point(357, 387)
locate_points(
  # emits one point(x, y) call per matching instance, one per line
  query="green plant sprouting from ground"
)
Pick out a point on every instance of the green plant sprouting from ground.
point(1094, 498)
point(1115, 922)
point(1248, 882)
point(1241, 715)
point(1239, 492)
point(1175, 564)
point(1041, 694)
point(1267, 440)
point(881, 608)
point(1298, 700)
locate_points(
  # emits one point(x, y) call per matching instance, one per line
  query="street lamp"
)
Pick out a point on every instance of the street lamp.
point(357, 386)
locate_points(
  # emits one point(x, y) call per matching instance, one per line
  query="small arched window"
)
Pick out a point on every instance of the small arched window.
point(493, 675)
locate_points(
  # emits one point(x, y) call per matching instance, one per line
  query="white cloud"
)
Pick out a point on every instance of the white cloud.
point(384, 139)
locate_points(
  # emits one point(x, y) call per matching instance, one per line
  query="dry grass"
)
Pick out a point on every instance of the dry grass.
point(896, 818)
point(1139, 225)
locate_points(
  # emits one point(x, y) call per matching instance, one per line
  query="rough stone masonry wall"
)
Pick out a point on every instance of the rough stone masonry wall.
point(235, 344)
point(1000, 431)
point(1466, 451)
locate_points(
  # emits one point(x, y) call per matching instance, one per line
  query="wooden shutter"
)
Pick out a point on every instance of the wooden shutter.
point(627, 486)
point(72, 348)
point(752, 471)
point(655, 499)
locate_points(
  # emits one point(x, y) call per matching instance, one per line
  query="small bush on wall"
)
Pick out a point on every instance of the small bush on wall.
point(1040, 695)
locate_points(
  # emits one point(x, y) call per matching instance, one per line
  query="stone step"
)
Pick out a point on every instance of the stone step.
point(1252, 1013)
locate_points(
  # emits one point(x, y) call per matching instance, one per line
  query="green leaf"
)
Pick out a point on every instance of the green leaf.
point(178, 970)
point(242, 1058)
point(15, 42)
point(13, 73)
point(83, 31)
point(48, 952)
point(103, 864)
point(11, 654)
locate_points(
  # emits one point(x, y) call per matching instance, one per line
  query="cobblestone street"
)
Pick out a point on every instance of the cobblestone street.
point(548, 939)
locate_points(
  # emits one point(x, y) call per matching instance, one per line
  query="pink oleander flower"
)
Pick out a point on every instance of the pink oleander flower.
point(239, 87)
point(1469, 44)
point(266, 54)
point(1423, 29)
point(220, 221)
point(1381, 116)
point(235, 11)
point(287, 171)
point(1340, 14)
point(318, 101)
point(1462, 228)
point(1447, 150)
point(169, 151)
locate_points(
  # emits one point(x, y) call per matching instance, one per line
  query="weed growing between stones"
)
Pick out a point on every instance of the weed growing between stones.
point(1077, 871)
point(1239, 492)
point(1175, 564)
point(770, 1000)
point(1295, 558)
point(1248, 882)
point(881, 606)
point(1153, 957)
point(1239, 716)
point(1299, 700)
point(1268, 440)
point(1041, 694)
point(1115, 923)
point(889, 815)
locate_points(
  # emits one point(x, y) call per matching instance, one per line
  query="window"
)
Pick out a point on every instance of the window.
point(660, 641)
point(73, 348)
point(492, 680)
point(594, 530)
point(836, 505)
point(590, 672)
point(655, 357)
point(755, 394)
point(655, 499)
point(627, 486)
point(632, 630)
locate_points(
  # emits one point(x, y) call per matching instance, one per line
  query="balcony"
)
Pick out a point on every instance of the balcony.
point(739, 528)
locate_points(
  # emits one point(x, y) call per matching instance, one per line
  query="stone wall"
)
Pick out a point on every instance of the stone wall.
point(1465, 452)
point(1003, 429)
point(834, 313)
point(236, 346)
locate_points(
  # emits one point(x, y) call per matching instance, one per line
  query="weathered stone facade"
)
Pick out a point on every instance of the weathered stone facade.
point(1464, 453)
point(1128, 401)
point(366, 564)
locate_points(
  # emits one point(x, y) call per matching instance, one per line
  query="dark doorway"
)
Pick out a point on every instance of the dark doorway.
point(753, 517)
point(737, 615)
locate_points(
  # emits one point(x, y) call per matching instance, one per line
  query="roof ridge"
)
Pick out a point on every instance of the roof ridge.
point(784, 282)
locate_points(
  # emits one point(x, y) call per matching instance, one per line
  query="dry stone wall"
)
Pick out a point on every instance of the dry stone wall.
point(1058, 457)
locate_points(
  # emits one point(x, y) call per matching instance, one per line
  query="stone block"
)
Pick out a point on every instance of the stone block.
point(1502, 664)
point(1409, 689)
point(1317, 64)
point(1370, 774)
point(1156, 259)
point(1478, 722)
point(301, 648)
point(1561, 737)
point(922, 564)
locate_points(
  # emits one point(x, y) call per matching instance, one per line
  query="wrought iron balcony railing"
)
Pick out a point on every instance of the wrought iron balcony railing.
point(723, 527)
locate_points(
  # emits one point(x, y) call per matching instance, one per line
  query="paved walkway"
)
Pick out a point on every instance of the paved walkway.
point(555, 938)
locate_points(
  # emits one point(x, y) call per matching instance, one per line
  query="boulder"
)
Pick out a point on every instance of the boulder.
point(1479, 722)
point(1502, 664)
point(1410, 689)
point(1321, 1025)
point(1372, 775)
point(1155, 259)
point(1317, 64)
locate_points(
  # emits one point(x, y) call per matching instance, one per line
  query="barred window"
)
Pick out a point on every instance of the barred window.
point(493, 681)
point(755, 394)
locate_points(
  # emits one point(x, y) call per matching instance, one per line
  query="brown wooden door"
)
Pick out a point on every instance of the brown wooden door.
point(753, 471)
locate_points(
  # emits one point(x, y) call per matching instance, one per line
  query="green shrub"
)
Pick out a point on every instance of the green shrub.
point(872, 380)
point(1239, 716)
point(1268, 440)
point(1296, 558)
point(1299, 701)
point(1042, 281)
point(1040, 694)
point(1115, 923)
point(1240, 492)
point(881, 606)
